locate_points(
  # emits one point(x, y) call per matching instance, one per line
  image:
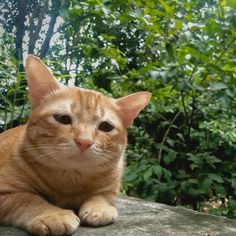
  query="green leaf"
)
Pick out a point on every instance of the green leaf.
point(218, 86)
point(168, 9)
point(147, 174)
point(216, 178)
point(129, 177)
point(169, 157)
point(231, 3)
point(170, 51)
point(157, 170)
point(206, 184)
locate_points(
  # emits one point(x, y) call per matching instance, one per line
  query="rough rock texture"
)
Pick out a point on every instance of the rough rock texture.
point(140, 218)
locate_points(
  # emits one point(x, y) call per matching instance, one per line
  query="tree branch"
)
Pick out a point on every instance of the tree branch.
point(165, 136)
point(225, 50)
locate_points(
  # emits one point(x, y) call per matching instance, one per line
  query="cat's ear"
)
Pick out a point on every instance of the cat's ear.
point(40, 80)
point(129, 106)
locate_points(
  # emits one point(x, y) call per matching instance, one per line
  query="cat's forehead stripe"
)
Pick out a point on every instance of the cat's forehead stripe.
point(61, 106)
point(91, 101)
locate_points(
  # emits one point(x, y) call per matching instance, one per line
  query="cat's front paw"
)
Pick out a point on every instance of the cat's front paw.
point(54, 223)
point(97, 215)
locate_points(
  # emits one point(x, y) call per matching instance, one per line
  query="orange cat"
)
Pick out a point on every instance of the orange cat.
point(69, 155)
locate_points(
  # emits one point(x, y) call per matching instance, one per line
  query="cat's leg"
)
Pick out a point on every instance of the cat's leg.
point(33, 213)
point(98, 210)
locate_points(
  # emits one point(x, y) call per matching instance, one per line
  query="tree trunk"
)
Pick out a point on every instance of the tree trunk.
point(56, 4)
point(20, 30)
point(31, 29)
point(34, 36)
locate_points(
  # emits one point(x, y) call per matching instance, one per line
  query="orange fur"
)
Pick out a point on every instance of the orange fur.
point(48, 168)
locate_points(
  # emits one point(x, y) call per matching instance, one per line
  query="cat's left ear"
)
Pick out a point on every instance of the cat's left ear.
point(129, 106)
point(40, 80)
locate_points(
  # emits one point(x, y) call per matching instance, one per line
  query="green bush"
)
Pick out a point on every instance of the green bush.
point(13, 95)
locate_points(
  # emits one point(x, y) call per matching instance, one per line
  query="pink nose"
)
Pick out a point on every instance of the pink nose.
point(83, 143)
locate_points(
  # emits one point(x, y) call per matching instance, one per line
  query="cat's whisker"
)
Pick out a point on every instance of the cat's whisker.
point(46, 147)
point(36, 159)
point(48, 154)
point(37, 148)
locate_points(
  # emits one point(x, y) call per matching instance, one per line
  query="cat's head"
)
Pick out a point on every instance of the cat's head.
point(69, 126)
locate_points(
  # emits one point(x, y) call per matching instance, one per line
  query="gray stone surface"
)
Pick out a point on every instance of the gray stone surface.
point(140, 218)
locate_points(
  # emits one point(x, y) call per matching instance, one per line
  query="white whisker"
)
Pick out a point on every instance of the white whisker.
point(61, 147)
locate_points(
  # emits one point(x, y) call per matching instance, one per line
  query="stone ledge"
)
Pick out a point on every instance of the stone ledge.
point(140, 218)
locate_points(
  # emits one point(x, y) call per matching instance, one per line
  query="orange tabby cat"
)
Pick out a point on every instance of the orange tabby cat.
point(69, 155)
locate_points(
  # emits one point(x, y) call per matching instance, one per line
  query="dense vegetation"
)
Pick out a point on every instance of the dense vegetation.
point(182, 148)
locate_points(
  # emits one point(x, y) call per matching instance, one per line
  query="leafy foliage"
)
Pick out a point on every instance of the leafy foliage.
point(181, 149)
point(13, 98)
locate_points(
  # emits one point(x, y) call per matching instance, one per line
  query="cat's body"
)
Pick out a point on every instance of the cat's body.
point(69, 155)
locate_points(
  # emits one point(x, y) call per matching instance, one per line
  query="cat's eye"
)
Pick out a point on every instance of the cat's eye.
point(63, 119)
point(106, 127)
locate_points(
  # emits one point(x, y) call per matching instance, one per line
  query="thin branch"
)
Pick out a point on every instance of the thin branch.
point(193, 70)
point(193, 109)
point(189, 117)
point(165, 136)
point(225, 50)
point(184, 106)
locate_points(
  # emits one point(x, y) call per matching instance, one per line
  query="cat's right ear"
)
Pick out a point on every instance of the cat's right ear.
point(40, 80)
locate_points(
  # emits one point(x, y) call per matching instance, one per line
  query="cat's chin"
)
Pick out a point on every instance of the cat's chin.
point(72, 160)
point(85, 157)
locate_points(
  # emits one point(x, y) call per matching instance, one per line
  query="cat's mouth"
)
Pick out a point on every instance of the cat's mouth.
point(81, 155)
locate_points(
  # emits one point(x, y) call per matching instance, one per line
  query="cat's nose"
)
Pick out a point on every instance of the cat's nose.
point(83, 143)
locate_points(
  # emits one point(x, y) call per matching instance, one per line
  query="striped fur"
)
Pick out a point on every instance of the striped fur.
point(44, 173)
